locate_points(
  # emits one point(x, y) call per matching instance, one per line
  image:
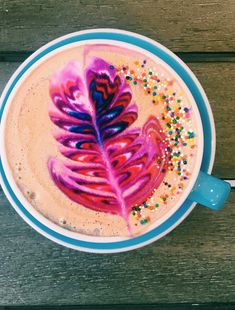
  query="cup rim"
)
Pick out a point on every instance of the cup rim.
point(188, 78)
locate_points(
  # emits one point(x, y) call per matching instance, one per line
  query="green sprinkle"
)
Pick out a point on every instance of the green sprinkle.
point(144, 221)
point(145, 85)
point(191, 135)
point(155, 87)
point(135, 82)
point(168, 125)
point(177, 117)
point(156, 205)
point(133, 213)
point(163, 97)
point(164, 198)
point(174, 121)
point(136, 209)
point(150, 73)
point(144, 80)
point(178, 100)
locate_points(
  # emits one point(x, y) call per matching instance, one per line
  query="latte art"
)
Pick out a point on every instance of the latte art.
point(112, 167)
point(116, 139)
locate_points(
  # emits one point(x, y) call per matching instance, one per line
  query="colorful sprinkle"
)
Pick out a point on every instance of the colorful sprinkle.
point(175, 120)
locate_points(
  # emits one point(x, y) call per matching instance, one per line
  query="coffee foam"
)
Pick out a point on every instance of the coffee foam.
point(29, 143)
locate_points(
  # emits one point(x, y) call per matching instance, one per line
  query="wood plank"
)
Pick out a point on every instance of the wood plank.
point(193, 264)
point(204, 25)
point(173, 306)
point(218, 80)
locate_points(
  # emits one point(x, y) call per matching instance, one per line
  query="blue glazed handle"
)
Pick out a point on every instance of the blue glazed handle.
point(210, 191)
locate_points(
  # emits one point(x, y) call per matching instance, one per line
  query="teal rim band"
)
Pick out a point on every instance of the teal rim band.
point(189, 81)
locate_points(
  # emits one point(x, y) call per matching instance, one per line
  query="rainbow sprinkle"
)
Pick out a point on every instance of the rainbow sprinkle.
point(173, 118)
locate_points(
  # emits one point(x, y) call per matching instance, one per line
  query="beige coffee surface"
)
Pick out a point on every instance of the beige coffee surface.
point(29, 143)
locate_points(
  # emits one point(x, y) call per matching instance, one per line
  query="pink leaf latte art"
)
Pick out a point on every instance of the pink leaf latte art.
point(111, 166)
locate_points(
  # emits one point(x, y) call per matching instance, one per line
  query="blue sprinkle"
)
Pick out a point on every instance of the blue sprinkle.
point(191, 135)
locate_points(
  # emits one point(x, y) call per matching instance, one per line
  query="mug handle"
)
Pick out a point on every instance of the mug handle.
point(210, 191)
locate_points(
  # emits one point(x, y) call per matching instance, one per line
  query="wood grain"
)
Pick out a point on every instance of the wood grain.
point(199, 25)
point(218, 80)
point(172, 306)
point(193, 264)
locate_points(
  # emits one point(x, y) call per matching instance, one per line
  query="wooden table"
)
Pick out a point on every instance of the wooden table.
point(194, 264)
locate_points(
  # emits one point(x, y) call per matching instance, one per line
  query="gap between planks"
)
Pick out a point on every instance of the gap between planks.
point(192, 57)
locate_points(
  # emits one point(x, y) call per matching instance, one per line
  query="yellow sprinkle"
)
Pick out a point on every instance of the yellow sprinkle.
point(190, 141)
point(176, 107)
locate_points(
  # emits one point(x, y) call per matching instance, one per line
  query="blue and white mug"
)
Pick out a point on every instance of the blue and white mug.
point(204, 188)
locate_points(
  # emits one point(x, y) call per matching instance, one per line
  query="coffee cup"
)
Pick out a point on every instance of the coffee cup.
point(115, 141)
